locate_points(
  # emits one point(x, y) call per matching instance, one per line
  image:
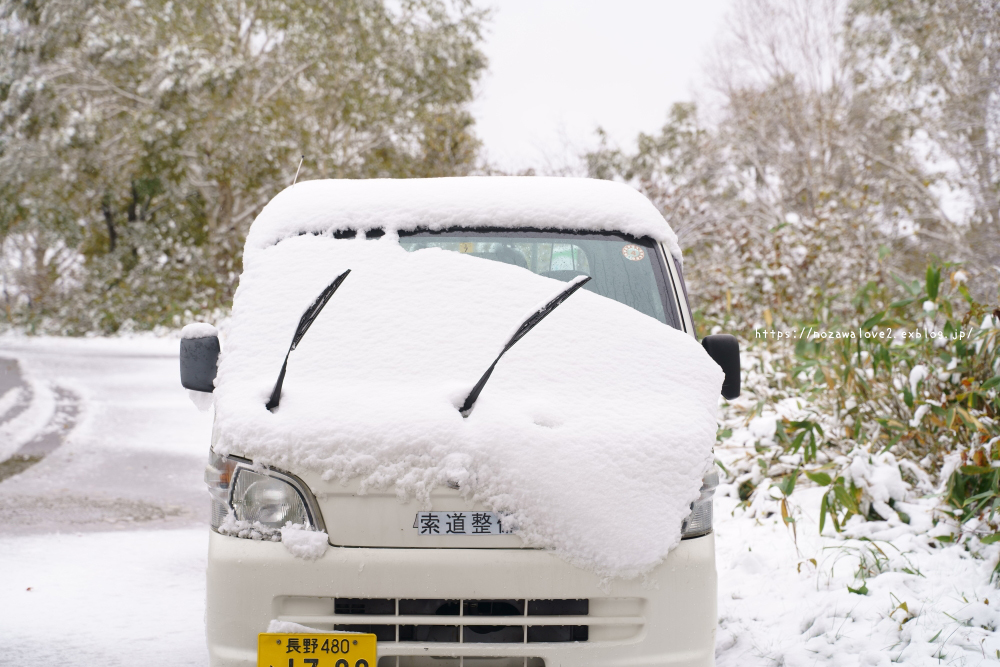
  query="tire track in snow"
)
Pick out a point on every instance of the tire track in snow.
point(134, 459)
point(51, 436)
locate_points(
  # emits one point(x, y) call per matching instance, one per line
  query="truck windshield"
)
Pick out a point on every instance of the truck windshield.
point(621, 268)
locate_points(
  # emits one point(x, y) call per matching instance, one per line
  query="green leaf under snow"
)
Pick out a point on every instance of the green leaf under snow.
point(873, 320)
point(820, 478)
point(933, 281)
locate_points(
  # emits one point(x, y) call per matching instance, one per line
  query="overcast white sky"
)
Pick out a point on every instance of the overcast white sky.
point(560, 68)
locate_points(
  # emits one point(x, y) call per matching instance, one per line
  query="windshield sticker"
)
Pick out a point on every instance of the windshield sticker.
point(633, 252)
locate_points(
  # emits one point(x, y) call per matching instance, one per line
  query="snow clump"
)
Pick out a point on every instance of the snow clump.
point(198, 330)
point(303, 543)
point(917, 375)
point(248, 530)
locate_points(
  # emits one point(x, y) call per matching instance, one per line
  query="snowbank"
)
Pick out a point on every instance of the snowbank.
point(441, 203)
point(594, 431)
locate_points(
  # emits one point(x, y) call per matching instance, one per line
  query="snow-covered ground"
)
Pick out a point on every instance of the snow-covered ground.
point(788, 601)
point(104, 598)
point(102, 542)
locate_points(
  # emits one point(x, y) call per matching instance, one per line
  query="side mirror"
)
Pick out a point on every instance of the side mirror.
point(199, 357)
point(725, 351)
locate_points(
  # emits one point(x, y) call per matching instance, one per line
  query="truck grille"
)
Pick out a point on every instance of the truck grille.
point(463, 621)
point(469, 633)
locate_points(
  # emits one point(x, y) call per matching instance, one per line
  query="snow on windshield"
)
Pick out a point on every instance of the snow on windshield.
point(622, 269)
point(594, 431)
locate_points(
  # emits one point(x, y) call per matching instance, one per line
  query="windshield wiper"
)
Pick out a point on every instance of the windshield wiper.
point(526, 326)
point(308, 317)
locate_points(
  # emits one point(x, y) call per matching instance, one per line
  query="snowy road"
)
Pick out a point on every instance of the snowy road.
point(103, 538)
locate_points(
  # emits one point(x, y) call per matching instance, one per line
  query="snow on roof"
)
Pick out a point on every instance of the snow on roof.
point(439, 203)
point(593, 432)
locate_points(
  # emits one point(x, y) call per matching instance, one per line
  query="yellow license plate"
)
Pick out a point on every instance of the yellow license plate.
point(326, 649)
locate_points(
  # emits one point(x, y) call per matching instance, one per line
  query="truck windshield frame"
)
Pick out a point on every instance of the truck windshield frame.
point(667, 310)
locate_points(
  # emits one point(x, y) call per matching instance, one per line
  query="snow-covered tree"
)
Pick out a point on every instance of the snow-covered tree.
point(805, 188)
point(936, 64)
point(139, 139)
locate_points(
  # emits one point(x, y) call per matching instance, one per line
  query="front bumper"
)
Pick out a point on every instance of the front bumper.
point(666, 618)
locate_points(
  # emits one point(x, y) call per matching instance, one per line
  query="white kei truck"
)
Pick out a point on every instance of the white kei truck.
point(331, 548)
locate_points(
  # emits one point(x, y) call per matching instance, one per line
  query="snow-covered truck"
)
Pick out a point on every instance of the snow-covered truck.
point(461, 422)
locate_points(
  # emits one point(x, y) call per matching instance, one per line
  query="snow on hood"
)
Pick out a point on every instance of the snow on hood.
point(594, 431)
point(581, 204)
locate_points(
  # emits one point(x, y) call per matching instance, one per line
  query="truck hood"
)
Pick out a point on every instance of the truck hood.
point(593, 433)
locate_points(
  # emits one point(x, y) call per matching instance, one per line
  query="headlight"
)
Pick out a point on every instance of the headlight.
point(699, 521)
point(257, 502)
point(266, 499)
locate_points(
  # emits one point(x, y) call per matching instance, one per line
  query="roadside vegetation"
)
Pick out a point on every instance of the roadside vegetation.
point(898, 404)
point(836, 194)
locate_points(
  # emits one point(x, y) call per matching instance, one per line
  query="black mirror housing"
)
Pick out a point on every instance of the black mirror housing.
point(199, 363)
point(725, 351)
